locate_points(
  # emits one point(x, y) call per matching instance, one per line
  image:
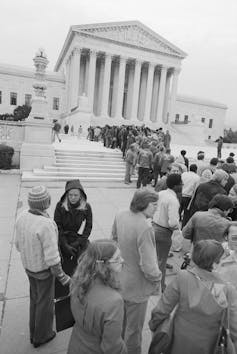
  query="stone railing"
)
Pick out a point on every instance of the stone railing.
point(13, 134)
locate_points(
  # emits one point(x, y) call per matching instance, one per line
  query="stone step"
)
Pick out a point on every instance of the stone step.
point(89, 161)
point(88, 153)
point(79, 164)
point(44, 178)
point(77, 169)
point(42, 172)
point(89, 157)
point(85, 161)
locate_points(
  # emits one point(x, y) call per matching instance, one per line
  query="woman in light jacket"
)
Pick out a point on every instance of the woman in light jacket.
point(201, 297)
point(228, 265)
point(96, 303)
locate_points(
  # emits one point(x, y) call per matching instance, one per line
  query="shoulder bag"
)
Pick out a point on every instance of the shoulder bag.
point(224, 344)
point(163, 335)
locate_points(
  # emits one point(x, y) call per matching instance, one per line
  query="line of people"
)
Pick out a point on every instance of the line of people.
point(111, 280)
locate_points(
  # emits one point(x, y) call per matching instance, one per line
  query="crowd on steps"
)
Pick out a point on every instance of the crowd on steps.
point(105, 285)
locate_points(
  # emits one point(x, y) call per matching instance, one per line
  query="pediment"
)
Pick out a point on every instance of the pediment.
point(131, 33)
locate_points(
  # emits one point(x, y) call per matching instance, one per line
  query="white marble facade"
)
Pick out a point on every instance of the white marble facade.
point(124, 70)
point(115, 73)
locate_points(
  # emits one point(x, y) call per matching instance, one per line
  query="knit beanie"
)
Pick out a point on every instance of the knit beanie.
point(39, 198)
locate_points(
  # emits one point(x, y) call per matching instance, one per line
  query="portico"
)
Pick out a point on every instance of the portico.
point(119, 73)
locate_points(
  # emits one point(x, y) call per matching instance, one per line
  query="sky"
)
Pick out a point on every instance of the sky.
point(205, 29)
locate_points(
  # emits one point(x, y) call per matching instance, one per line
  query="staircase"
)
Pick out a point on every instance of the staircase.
point(88, 161)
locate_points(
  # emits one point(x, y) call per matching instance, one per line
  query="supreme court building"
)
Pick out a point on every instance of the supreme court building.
point(115, 73)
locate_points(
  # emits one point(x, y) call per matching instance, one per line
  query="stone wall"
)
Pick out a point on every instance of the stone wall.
point(13, 134)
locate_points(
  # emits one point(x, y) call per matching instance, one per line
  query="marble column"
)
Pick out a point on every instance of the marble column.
point(167, 94)
point(161, 95)
point(91, 79)
point(75, 76)
point(67, 84)
point(120, 90)
point(136, 87)
point(106, 85)
point(149, 88)
point(173, 94)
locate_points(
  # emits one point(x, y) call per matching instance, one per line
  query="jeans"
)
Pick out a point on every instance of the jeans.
point(163, 244)
point(143, 174)
point(134, 318)
point(41, 307)
point(128, 172)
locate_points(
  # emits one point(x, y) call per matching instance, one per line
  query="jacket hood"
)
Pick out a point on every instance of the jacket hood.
point(73, 184)
point(207, 292)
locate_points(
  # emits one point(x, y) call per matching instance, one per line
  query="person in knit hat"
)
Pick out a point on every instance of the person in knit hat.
point(37, 242)
point(73, 216)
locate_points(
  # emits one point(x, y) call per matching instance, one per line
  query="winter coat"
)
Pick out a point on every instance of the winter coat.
point(203, 195)
point(166, 162)
point(145, 158)
point(74, 225)
point(98, 322)
point(227, 269)
point(37, 241)
point(201, 301)
point(140, 276)
point(205, 225)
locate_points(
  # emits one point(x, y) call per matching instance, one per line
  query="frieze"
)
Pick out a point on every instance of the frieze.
point(132, 35)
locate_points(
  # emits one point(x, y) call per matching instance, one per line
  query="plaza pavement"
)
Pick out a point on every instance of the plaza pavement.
point(14, 297)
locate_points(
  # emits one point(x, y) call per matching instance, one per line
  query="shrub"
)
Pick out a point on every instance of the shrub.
point(19, 113)
point(6, 153)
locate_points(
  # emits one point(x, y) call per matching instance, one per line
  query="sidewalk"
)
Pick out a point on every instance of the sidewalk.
point(14, 288)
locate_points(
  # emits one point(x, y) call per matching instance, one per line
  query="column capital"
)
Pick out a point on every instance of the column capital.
point(164, 67)
point(108, 55)
point(77, 50)
point(138, 61)
point(92, 52)
point(176, 71)
point(151, 64)
point(123, 58)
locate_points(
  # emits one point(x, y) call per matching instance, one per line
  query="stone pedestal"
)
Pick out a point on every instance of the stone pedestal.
point(37, 149)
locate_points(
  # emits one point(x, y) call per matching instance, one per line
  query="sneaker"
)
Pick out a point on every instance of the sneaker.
point(169, 266)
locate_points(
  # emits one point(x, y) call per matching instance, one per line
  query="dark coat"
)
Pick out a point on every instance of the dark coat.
point(74, 227)
point(69, 221)
point(203, 195)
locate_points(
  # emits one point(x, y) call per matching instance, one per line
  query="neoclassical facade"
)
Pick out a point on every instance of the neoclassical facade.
point(119, 72)
point(115, 73)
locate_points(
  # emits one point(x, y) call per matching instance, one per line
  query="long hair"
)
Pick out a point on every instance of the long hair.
point(92, 264)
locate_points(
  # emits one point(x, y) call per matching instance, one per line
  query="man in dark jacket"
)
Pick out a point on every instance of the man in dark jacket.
point(210, 224)
point(206, 191)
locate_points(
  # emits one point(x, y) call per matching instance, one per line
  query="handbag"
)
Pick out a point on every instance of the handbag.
point(224, 344)
point(162, 336)
point(63, 313)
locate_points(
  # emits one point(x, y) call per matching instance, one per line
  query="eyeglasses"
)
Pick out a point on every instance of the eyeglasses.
point(117, 260)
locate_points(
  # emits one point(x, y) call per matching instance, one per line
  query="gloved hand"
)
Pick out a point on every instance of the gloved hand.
point(72, 251)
